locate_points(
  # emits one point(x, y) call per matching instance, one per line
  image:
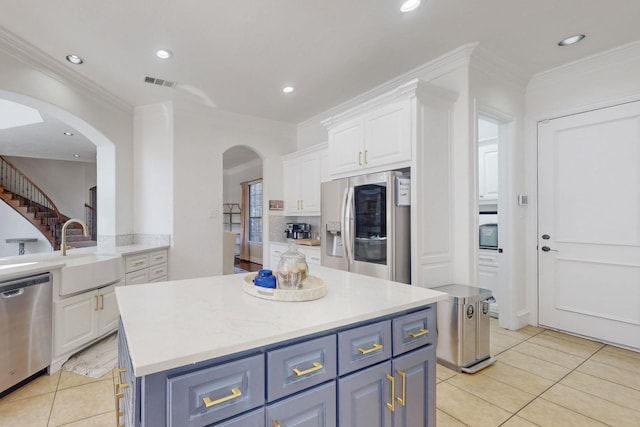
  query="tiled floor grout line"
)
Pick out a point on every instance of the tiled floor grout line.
point(53, 401)
point(539, 396)
point(508, 348)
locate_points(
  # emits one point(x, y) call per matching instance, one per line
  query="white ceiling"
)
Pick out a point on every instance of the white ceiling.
point(237, 55)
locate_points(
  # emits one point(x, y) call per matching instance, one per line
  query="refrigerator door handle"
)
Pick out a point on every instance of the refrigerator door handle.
point(347, 238)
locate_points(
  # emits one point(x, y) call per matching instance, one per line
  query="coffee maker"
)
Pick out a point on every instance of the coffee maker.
point(298, 230)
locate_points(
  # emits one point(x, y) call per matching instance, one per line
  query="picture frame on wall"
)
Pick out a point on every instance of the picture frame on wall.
point(276, 205)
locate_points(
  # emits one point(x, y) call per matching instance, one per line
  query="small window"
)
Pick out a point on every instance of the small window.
point(255, 212)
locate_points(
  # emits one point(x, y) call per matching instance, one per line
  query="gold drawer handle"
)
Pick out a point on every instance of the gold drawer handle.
point(235, 392)
point(401, 400)
point(120, 372)
point(276, 423)
point(122, 386)
point(392, 405)
point(316, 367)
point(420, 333)
point(118, 412)
point(375, 347)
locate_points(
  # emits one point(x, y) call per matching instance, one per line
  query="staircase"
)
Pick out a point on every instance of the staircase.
point(17, 191)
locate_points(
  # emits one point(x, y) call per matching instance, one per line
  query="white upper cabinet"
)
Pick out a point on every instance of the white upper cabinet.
point(488, 171)
point(302, 175)
point(371, 138)
point(387, 137)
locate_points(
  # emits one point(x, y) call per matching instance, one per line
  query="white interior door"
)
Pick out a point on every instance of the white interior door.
point(589, 224)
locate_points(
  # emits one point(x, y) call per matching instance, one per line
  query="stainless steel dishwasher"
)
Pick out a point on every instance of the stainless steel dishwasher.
point(25, 327)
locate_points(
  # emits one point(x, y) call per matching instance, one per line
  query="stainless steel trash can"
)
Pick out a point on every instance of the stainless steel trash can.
point(463, 328)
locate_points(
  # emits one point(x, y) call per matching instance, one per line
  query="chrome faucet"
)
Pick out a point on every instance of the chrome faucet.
point(63, 244)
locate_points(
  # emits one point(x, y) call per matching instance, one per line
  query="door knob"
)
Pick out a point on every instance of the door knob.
point(546, 236)
point(548, 249)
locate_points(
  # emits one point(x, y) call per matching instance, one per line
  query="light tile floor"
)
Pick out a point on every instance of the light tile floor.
point(541, 378)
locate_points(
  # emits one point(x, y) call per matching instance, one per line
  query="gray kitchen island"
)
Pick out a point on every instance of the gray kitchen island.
point(203, 352)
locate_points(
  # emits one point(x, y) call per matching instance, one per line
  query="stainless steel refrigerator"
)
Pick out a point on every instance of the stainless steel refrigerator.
point(366, 225)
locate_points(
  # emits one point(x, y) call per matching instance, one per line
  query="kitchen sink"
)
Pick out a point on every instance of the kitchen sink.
point(83, 272)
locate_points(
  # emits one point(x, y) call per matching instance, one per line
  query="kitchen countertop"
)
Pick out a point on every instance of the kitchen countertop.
point(21, 265)
point(177, 323)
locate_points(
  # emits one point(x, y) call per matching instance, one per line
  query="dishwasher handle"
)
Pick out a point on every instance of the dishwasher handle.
point(12, 294)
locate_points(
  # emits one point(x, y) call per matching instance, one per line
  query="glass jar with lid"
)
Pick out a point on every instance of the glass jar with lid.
point(292, 269)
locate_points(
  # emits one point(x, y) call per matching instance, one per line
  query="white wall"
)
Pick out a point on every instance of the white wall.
point(599, 81)
point(13, 225)
point(66, 183)
point(200, 140)
point(153, 170)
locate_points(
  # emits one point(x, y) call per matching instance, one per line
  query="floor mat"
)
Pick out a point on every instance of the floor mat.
point(97, 360)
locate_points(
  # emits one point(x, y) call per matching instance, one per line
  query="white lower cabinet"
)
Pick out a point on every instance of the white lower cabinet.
point(381, 373)
point(146, 267)
point(82, 318)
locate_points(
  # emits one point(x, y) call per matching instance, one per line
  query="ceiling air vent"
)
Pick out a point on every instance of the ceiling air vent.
point(159, 82)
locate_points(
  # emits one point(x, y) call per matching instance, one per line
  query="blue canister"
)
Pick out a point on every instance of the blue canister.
point(265, 279)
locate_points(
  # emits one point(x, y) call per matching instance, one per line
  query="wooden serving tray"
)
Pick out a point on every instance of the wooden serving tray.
point(312, 288)
point(307, 242)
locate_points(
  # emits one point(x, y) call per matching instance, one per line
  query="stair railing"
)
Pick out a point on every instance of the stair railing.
point(90, 218)
point(17, 183)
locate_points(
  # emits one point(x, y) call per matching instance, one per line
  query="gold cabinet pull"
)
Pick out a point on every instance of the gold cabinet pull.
point(96, 298)
point(392, 405)
point(316, 367)
point(122, 386)
point(401, 400)
point(235, 393)
point(375, 347)
point(118, 412)
point(120, 372)
point(101, 302)
point(420, 333)
point(276, 423)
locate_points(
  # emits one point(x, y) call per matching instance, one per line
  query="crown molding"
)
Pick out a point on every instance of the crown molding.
point(606, 59)
point(403, 85)
point(36, 58)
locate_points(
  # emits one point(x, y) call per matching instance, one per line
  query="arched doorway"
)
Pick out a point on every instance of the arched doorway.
point(86, 141)
point(242, 213)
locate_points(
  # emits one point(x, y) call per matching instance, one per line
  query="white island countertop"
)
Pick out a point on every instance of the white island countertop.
point(177, 323)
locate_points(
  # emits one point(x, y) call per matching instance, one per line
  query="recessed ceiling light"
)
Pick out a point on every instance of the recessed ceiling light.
point(76, 155)
point(75, 59)
point(164, 54)
point(571, 40)
point(68, 133)
point(409, 5)
point(288, 89)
